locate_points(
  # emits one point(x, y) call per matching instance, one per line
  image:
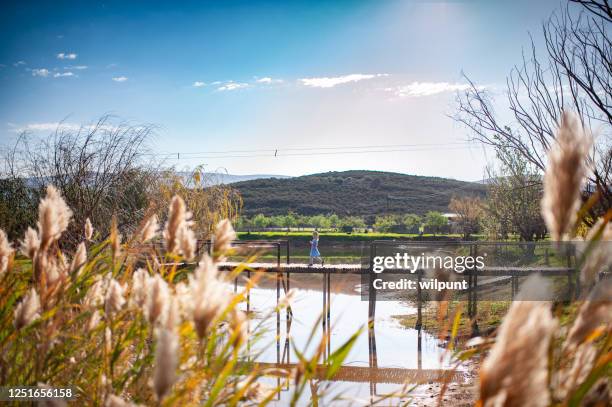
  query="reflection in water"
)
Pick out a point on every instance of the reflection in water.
point(379, 363)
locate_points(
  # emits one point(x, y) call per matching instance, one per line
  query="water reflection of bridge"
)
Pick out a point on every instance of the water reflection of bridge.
point(364, 374)
point(372, 374)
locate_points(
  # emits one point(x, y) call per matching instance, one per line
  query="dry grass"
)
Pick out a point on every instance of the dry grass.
point(120, 323)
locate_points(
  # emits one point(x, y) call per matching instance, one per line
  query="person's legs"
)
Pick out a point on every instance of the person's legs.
point(310, 261)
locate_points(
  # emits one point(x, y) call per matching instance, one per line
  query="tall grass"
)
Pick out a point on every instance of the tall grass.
point(122, 323)
point(541, 358)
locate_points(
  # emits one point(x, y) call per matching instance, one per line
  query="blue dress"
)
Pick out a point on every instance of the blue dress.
point(314, 250)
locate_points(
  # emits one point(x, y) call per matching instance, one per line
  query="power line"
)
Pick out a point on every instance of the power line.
point(305, 152)
point(278, 151)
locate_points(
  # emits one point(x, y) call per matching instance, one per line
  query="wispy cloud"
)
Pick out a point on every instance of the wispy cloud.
point(64, 55)
point(232, 86)
point(420, 89)
point(63, 74)
point(18, 63)
point(43, 127)
point(198, 84)
point(268, 81)
point(330, 82)
point(77, 67)
point(44, 72)
point(120, 78)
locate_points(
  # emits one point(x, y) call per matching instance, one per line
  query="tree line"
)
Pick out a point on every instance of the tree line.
point(407, 223)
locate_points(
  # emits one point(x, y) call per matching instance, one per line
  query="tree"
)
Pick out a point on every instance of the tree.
point(412, 222)
point(576, 74)
point(355, 222)
point(289, 221)
point(469, 214)
point(434, 221)
point(320, 222)
point(334, 221)
point(208, 203)
point(17, 207)
point(102, 171)
point(260, 221)
point(513, 199)
point(385, 223)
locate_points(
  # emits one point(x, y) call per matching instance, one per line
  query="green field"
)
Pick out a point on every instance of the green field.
point(343, 236)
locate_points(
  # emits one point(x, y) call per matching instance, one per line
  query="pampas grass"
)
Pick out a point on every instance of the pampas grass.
point(223, 237)
point(88, 229)
point(179, 238)
point(30, 243)
point(181, 341)
point(516, 371)
point(53, 217)
point(166, 360)
point(564, 177)
point(6, 251)
point(156, 299)
point(208, 295)
point(538, 360)
point(28, 310)
point(150, 229)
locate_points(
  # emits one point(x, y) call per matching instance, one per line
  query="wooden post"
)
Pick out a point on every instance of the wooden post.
point(371, 290)
point(324, 315)
point(248, 292)
point(329, 313)
point(419, 321)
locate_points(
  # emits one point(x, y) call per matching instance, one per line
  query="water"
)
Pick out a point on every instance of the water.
point(389, 346)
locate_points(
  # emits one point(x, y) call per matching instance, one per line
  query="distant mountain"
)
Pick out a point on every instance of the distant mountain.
point(362, 193)
point(223, 178)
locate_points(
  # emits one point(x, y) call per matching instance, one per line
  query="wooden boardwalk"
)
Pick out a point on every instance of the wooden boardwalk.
point(297, 268)
point(511, 271)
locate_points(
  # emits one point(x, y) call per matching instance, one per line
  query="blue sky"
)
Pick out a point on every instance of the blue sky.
point(286, 76)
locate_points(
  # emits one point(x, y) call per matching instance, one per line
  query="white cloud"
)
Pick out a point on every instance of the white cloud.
point(63, 55)
point(268, 81)
point(53, 126)
point(77, 67)
point(419, 89)
point(232, 86)
point(330, 82)
point(120, 78)
point(62, 74)
point(19, 63)
point(44, 72)
point(198, 84)
point(41, 127)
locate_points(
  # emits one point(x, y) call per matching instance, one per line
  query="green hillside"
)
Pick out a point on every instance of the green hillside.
point(360, 193)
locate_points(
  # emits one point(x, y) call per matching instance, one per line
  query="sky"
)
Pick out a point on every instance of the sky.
point(261, 87)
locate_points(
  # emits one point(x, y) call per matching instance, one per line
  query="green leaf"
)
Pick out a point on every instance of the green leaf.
point(337, 357)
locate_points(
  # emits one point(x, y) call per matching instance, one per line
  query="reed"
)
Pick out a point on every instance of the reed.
point(123, 324)
point(537, 358)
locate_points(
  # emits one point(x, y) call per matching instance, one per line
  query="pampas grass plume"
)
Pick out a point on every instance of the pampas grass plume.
point(564, 176)
point(515, 373)
point(28, 310)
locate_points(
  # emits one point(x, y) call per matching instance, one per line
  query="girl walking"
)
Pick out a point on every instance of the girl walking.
point(314, 249)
